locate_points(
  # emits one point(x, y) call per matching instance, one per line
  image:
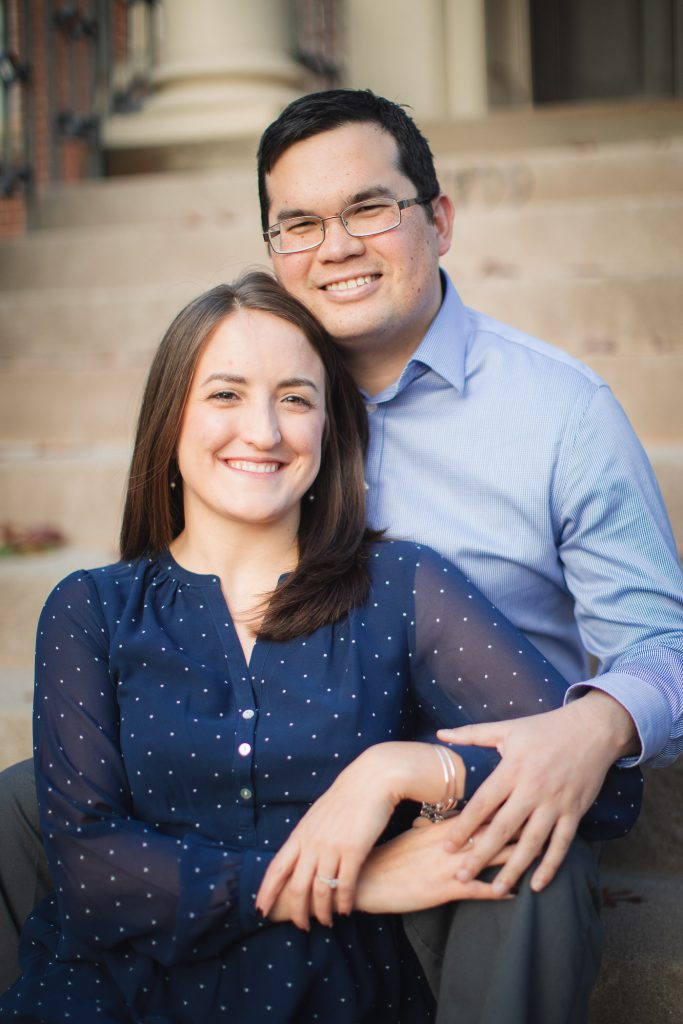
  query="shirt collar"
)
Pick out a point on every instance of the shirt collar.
point(442, 349)
point(444, 346)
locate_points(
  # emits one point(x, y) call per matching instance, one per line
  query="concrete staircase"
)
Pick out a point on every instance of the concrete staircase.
point(583, 247)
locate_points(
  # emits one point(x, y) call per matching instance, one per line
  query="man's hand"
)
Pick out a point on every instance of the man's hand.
point(553, 767)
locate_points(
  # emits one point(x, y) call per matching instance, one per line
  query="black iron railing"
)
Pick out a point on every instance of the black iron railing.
point(15, 75)
point(319, 40)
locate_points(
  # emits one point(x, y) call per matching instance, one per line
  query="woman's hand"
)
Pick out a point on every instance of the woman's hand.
point(335, 836)
point(414, 871)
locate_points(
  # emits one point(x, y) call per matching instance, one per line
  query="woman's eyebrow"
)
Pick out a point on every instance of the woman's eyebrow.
point(227, 378)
point(234, 378)
point(298, 382)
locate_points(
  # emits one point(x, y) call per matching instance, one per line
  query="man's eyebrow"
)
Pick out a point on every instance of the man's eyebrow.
point(358, 197)
point(234, 378)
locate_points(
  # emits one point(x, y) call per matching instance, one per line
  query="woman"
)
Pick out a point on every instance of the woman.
point(255, 646)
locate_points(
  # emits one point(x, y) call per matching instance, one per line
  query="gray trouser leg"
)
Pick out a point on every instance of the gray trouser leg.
point(531, 960)
point(24, 874)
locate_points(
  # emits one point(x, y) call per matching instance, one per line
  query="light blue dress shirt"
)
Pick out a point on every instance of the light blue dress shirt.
point(516, 462)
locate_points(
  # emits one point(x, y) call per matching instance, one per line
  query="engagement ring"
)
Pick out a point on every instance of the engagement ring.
point(332, 882)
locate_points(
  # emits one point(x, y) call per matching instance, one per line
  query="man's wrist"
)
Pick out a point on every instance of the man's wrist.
point(614, 721)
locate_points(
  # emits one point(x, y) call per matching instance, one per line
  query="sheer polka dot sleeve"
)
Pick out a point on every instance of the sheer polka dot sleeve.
point(118, 878)
point(470, 664)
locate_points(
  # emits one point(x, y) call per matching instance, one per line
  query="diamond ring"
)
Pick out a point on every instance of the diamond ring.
point(332, 882)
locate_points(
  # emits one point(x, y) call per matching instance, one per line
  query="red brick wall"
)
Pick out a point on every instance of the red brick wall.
point(61, 79)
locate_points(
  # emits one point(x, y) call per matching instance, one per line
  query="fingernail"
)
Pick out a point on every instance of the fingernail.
point(500, 888)
point(464, 875)
point(537, 884)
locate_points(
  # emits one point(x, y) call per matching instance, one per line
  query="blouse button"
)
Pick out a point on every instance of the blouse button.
point(248, 713)
point(246, 794)
point(244, 749)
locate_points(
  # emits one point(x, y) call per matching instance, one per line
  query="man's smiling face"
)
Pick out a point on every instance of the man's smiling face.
point(376, 295)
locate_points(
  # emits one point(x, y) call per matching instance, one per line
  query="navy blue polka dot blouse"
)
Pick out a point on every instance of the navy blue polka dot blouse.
point(169, 771)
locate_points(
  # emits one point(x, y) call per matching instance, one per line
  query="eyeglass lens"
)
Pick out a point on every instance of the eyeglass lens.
point(367, 218)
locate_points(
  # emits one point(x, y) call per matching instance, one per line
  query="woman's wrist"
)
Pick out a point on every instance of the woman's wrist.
point(423, 772)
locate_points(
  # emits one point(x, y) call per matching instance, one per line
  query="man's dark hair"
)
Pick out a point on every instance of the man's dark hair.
point(323, 111)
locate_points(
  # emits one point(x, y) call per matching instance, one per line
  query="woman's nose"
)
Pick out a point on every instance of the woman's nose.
point(260, 427)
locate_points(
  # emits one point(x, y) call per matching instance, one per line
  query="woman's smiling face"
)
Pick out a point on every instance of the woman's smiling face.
point(251, 434)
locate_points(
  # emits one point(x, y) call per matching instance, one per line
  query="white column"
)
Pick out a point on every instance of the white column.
point(508, 38)
point(223, 70)
point(465, 42)
point(396, 48)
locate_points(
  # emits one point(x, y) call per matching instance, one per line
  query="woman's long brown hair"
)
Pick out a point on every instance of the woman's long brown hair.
point(332, 573)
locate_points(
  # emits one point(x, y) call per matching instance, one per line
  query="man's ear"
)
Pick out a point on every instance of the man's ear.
point(444, 215)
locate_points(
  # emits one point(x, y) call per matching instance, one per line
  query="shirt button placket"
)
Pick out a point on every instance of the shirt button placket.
point(243, 767)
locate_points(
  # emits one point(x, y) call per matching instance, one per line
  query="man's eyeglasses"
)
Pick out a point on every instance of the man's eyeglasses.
point(371, 217)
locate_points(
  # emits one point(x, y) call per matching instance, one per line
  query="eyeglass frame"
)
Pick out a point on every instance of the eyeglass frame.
point(401, 204)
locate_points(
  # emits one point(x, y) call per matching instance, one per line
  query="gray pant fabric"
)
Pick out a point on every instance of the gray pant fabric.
point(24, 874)
point(531, 960)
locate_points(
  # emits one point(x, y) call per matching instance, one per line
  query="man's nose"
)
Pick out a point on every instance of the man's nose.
point(338, 244)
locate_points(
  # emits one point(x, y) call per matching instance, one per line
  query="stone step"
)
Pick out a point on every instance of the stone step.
point(581, 239)
point(15, 735)
point(79, 491)
point(649, 388)
point(55, 408)
point(641, 979)
point(197, 257)
point(643, 167)
point(190, 199)
point(634, 236)
point(586, 126)
point(16, 700)
point(89, 327)
point(620, 315)
point(655, 845)
point(16, 688)
point(624, 315)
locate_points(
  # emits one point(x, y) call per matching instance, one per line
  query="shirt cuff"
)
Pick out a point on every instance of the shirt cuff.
point(645, 705)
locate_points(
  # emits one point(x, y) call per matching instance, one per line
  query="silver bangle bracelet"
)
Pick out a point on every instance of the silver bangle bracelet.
point(438, 811)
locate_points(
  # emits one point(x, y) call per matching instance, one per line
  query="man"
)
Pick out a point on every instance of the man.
point(514, 461)
point(517, 463)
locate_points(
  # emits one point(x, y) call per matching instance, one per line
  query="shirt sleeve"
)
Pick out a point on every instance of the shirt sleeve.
point(118, 879)
point(470, 664)
point(622, 567)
